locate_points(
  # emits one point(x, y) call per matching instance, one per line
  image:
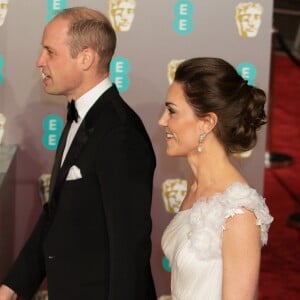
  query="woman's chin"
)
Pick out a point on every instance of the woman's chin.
point(170, 152)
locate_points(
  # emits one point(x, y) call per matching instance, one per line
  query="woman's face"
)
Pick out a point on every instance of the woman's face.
point(180, 122)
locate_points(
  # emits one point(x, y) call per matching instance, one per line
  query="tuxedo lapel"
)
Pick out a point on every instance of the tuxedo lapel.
point(58, 157)
point(78, 143)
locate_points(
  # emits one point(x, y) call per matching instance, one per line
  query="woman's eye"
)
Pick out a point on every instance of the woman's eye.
point(171, 110)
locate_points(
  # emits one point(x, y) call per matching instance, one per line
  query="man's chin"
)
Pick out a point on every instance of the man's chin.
point(51, 92)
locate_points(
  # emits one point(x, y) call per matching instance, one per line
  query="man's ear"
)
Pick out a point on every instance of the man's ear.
point(208, 122)
point(87, 58)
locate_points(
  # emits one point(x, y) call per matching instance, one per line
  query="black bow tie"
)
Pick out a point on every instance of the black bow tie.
point(72, 112)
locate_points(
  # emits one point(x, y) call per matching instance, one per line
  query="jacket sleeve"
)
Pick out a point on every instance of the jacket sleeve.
point(28, 270)
point(125, 170)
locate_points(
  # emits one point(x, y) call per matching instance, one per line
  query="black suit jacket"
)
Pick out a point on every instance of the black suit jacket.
point(93, 241)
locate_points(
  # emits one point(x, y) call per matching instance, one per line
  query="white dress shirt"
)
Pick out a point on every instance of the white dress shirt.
point(83, 104)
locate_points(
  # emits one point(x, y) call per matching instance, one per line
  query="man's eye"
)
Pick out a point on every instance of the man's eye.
point(171, 110)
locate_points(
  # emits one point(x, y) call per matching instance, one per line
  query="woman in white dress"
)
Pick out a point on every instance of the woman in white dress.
point(214, 242)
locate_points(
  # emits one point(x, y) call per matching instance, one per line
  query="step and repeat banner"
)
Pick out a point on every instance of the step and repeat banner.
point(153, 37)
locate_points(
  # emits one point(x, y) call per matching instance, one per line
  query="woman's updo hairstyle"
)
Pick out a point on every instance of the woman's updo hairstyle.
point(213, 85)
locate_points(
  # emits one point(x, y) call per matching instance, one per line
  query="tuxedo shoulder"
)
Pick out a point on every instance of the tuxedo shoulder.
point(124, 111)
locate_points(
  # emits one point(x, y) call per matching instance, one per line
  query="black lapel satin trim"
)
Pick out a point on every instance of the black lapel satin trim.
point(58, 157)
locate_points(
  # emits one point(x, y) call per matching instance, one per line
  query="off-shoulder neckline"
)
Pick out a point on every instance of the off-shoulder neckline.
point(207, 199)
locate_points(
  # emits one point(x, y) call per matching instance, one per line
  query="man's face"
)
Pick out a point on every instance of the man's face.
point(61, 73)
point(122, 14)
point(3, 10)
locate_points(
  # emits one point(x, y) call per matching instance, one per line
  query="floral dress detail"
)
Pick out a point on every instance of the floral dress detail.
point(193, 240)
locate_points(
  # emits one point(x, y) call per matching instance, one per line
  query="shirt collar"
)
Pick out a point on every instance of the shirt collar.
point(86, 101)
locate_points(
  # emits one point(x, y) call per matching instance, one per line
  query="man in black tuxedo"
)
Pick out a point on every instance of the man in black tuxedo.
point(92, 240)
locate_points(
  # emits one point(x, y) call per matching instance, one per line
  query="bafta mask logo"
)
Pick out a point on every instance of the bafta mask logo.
point(3, 10)
point(248, 18)
point(121, 14)
point(173, 192)
point(172, 66)
point(2, 123)
point(44, 187)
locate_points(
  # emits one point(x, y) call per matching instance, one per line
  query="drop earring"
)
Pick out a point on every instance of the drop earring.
point(201, 139)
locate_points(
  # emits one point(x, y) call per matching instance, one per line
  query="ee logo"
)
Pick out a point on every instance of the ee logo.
point(119, 70)
point(166, 264)
point(54, 7)
point(1, 69)
point(52, 126)
point(248, 72)
point(183, 23)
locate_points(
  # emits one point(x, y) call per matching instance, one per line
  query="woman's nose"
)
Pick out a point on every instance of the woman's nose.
point(163, 120)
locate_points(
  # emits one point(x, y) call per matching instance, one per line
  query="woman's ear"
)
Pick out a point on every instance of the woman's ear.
point(208, 122)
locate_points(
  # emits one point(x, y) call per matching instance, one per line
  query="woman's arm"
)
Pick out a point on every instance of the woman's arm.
point(241, 252)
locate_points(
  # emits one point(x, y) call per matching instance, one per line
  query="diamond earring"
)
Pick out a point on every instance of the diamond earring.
point(201, 139)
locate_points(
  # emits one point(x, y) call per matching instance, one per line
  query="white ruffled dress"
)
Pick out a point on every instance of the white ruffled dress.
point(192, 241)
